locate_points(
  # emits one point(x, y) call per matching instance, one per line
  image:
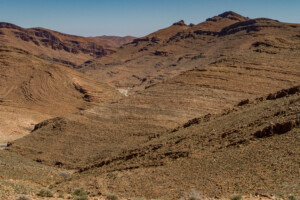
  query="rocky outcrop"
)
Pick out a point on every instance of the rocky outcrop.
point(179, 23)
point(283, 93)
point(276, 129)
point(229, 15)
point(72, 50)
point(9, 25)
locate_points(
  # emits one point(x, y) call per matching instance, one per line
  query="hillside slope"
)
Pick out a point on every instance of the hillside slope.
point(33, 90)
point(21, 176)
point(59, 47)
point(261, 68)
point(108, 130)
point(179, 48)
point(113, 41)
point(250, 149)
point(181, 116)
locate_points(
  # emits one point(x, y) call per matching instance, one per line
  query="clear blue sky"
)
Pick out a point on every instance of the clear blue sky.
point(134, 17)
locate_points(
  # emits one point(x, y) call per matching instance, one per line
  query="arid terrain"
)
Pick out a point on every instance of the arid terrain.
point(58, 47)
point(228, 38)
point(33, 90)
point(199, 111)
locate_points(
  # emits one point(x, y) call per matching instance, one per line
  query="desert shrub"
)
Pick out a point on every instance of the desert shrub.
point(50, 187)
point(45, 193)
point(111, 197)
point(23, 197)
point(60, 196)
point(83, 197)
point(139, 198)
point(292, 198)
point(79, 192)
point(92, 195)
point(236, 197)
point(194, 198)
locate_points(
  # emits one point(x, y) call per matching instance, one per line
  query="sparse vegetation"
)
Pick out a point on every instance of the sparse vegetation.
point(139, 198)
point(23, 197)
point(111, 197)
point(84, 197)
point(50, 187)
point(92, 195)
point(45, 193)
point(176, 76)
point(236, 197)
point(111, 175)
point(292, 198)
point(79, 192)
point(194, 198)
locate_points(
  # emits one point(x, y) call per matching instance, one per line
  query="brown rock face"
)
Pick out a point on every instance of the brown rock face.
point(33, 90)
point(180, 23)
point(174, 50)
point(58, 47)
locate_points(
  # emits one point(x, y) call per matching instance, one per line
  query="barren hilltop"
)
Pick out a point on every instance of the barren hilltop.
point(58, 47)
point(187, 112)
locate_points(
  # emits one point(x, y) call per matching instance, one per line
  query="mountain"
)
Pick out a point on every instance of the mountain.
point(211, 108)
point(58, 47)
point(113, 41)
point(33, 90)
point(250, 149)
point(179, 48)
point(107, 131)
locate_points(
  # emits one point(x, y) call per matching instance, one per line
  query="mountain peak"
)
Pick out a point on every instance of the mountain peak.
point(9, 25)
point(179, 23)
point(228, 15)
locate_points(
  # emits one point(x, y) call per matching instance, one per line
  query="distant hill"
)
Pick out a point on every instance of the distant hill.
point(113, 41)
point(171, 51)
point(59, 47)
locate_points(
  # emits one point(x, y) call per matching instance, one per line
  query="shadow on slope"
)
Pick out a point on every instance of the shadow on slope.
point(249, 149)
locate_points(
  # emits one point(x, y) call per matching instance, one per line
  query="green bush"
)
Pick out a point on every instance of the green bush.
point(60, 196)
point(236, 197)
point(45, 193)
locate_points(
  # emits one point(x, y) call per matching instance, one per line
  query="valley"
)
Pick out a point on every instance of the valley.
point(212, 108)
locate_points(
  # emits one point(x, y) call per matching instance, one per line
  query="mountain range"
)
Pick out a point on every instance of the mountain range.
point(211, 108)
